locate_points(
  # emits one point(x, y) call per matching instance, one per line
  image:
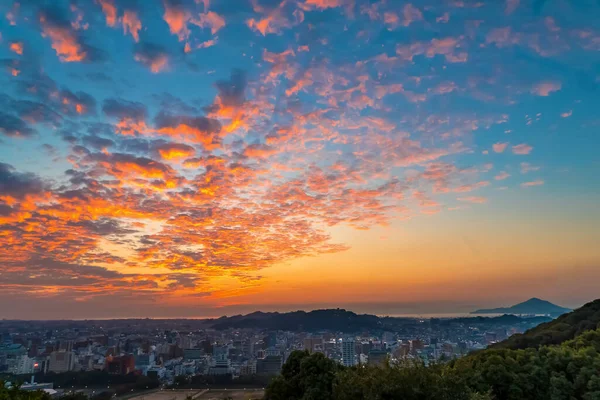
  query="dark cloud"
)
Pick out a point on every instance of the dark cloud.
point(77, 103)
point(106, 227)
point(54, 272)
point(31, 111)
point(202, 124)
point(135, 145)
point(80, 151)
point(38, 85)
point(5, 210)
point(153, 56)
point(123, 109)
point(97, 142)
point(36, 112)
point(120, 163)
point(173, 104)
point(99, 77)
point(14, 126)
point(232, 91)
point(18, 184)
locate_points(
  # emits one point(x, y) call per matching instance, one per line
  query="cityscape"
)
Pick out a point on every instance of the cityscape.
point(182, 352)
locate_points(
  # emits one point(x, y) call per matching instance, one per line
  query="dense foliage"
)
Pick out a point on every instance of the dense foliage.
point(15, 393)
point(567, 371)
point(314, 377)
point(557, 361)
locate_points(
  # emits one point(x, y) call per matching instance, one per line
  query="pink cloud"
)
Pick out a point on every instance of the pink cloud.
point(411, 14)
point(443, 19)
point(545, 88)
point(502, 176)
point(502, 37)
point(511, 6)
point(567, 114)
point(322, 4)
point(522, 149)
point(538, 182)
point(391, 18)
point(449, 47)
point(474, 199)
point(499, 147)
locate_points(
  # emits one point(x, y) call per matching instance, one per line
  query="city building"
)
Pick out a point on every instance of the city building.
point(348, 352)
point(120, 365)
point(221, 365)
point(313, 344)
point(270, 365)
point(60, 361)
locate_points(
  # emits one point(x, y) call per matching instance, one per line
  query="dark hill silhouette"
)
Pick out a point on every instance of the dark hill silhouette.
point(531, 306)
point(335, 320)
point(341, 320)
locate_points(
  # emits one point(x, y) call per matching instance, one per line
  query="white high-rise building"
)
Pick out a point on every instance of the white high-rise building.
point(348, 352)
point(22, 365)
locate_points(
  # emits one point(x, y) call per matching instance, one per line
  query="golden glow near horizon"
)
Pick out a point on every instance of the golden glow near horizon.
point(197, 158)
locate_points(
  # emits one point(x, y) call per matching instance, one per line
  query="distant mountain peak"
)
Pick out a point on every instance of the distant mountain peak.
point(534, 305)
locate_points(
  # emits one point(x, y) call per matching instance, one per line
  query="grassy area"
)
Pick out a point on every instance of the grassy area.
point(249, 394)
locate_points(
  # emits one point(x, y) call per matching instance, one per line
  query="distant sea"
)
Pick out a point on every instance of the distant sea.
point(439, 315)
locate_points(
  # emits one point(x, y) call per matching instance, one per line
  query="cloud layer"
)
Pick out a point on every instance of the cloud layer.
point(181, 148)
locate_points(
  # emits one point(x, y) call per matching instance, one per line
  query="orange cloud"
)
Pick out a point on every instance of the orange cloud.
point(266, 25)
point(197, 129)
point(210, 20)
point(64, 41)
point(175, 151)
point(177, 18)
point(110, 11)
point(132, 24)
point(16, 47)
point(567, 114)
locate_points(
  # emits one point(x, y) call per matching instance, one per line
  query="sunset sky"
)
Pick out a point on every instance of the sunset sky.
point(210, 157)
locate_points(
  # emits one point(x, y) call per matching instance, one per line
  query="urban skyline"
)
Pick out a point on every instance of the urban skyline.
point(181, 158)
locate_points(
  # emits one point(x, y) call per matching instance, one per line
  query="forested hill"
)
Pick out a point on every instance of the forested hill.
point(333, 319)
point(565, 327)
point(559, 360)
